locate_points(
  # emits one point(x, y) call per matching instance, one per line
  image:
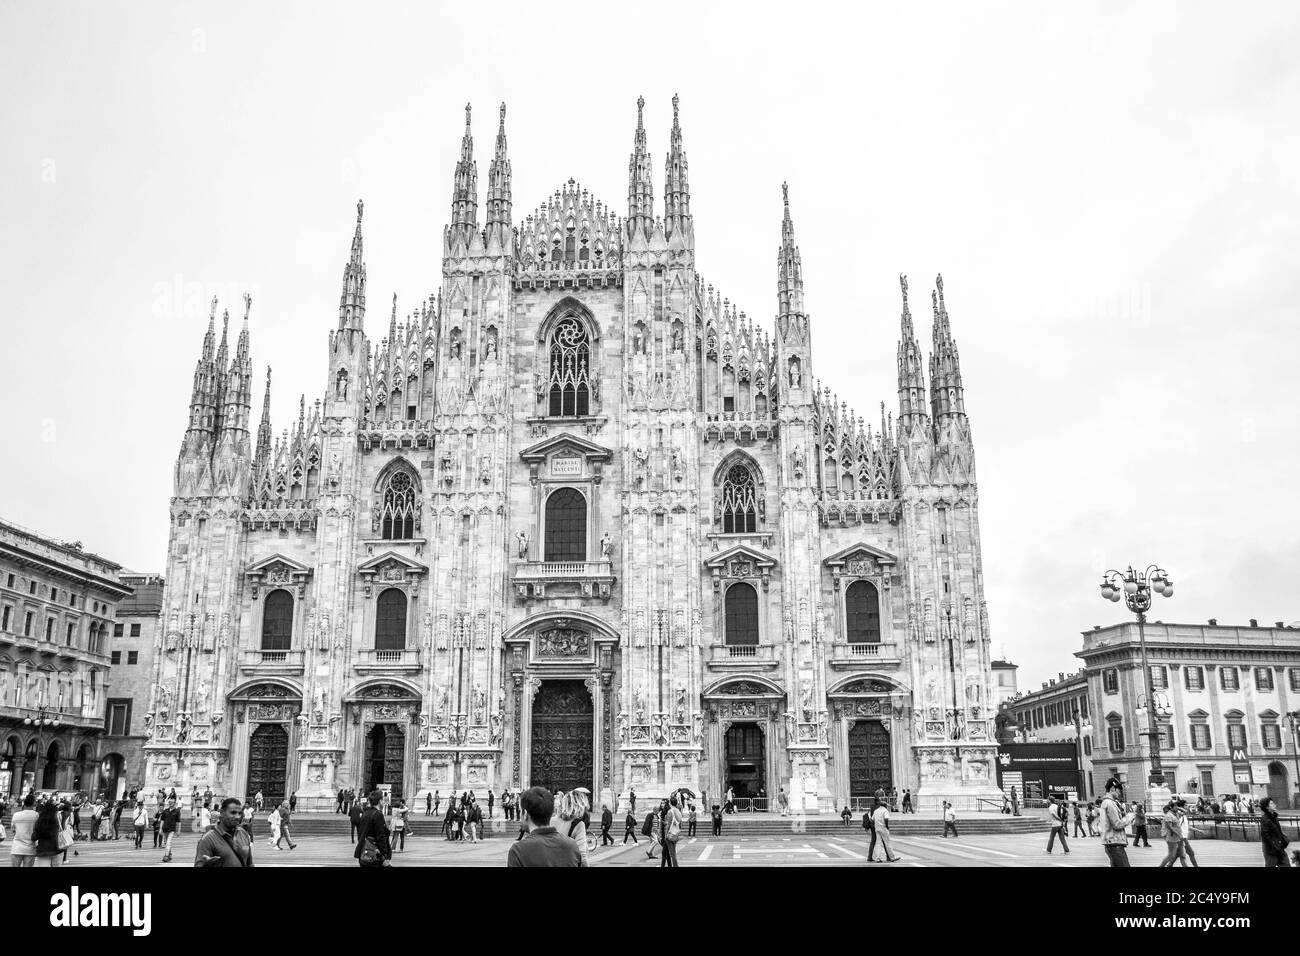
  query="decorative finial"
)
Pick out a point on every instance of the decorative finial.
point(902, 280)
point(360, 208)
point(674, 107)
point(212, 315)
point(785, 194)
point(503, 112)
point(467, 109)
point(248, 305)
point(938, 282)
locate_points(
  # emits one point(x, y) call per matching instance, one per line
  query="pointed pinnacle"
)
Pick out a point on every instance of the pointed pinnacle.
point(640, 105)
point(360, 207)
point(248, 306)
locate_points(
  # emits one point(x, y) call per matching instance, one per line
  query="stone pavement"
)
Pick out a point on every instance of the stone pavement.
point(848, 849)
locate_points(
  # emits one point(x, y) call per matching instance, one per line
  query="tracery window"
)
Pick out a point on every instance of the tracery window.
point(570, 382)
point(397, 515)
point(739, 502)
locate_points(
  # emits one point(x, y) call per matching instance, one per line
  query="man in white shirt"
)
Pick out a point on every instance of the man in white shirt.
point(205, 819)
point(880, 820)
point(949, 819)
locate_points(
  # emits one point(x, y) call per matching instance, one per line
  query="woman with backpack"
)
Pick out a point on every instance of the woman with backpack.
point(672, 830)
point(45, 835)
point(573, 807)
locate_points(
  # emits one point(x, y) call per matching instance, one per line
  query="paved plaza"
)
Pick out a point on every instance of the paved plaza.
point(821, 849)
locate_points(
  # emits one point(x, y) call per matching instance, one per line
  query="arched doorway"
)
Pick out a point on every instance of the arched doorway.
point(50, 776)
point(79, 768)
point(563, 746)
point(268, 762)
point(110, 777)
point(1278, 787)
point(385, 758)
point(870, 768)
point(9, 764)
point(746, 747)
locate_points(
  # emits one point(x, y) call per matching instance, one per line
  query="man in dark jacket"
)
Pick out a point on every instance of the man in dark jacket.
point(543, 846)
point(171, 822)
point(226, 844)
point(606, 821)
point(373, 826)
point(354, 817)
point(629, 828)
point(1271, 838)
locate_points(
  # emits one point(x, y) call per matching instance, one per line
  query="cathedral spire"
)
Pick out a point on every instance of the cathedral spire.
point(911, 379)
point(264, 429)
point(946, 395)
point(352, 303)
point(203, 397)
point(677, 193)
point(464, 195)
point(640, 191)
point(498, 197)
point(789, 267)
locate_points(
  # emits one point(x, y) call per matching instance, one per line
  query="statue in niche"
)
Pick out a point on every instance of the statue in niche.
point(677, 340)
point(522, 541)
point(455, 344)
point(490, 350)
point(341, 385)
point(638, 704)
point(318, 703)
point(606, 546)
point(680, 713)
point(479, 702)
point(638, 343)
point(485, 469)
point(798, 461)
point(806, 700)
point(795, 378)
point(440, 712)
point(497, 725)
point(621, 725)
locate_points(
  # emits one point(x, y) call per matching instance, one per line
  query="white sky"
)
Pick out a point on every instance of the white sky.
point(1112, 198)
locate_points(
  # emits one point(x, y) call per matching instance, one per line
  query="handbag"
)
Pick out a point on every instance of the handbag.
point(674, 829)
point(369, 852)
point(65, 839)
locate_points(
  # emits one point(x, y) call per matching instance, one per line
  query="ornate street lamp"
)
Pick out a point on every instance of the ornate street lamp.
point(41, 721)
point(1137, 588)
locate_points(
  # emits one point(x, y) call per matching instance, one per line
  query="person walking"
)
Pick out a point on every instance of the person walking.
point(782, 801)
point(354, 819)
point(492, 799)
point(171, 823)
point(690, 820)
point(1015, 809)
point(949, 819)
point(543, 846)
point(286, 811)
point(338, 806)
point(45, 835)
point(273, 824)
point(258, 800)
point(1056, 820)
point(572, 810)
point(1185, 832)
point(227, 843)
point(118, 807)
point(868, 828)
point(1140, 825)
point(22, 846)
point(140, 820)
point(907, 801)
point(672, 831)
point(606, 821)
point(398, 835)
point(716, 814)
point(428, 804)
point(880, 823)
point(1271, 838)
point(205, 819)
point(247, 823)
point(473, 820)
point(293, 802)
point(156, 823)
point(651, 829)
point(1094, 815)
point(1079, 831)
point(1172, 832)
point(629, 828)
point(373, 849)
point(1114, 820)
point(631, 796)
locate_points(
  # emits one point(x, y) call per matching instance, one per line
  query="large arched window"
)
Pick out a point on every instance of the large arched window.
point(739, 501)
point(277, 621)
point(390, 621)
point(566, 526)
point(397, 514)
point(570, 383)
point(862, 613)
point(741, 609)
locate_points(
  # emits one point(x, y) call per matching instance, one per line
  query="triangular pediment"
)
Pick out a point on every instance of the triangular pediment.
point(565, 442)
point(275, 562)
point(860, 552)
point(391, 559)
point(740, 552)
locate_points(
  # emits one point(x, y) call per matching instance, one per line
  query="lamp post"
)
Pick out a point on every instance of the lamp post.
point(1293, 721)
point(1137, 587)
point(956, 715)
point(1081, 729)
point(40, 722)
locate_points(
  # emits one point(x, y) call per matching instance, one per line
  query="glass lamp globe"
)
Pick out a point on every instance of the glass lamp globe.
point(1114, 595)
point(1130, 586)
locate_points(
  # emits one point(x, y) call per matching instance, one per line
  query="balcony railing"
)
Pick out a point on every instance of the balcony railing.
point(742, 656)
point(858, 655)
point(563, 578)
point(374, 659)
point(282, 661)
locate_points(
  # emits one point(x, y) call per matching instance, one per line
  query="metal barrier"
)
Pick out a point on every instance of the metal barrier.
point(1240, 826)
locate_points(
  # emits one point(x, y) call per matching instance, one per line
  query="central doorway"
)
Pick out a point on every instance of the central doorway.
point(563, 752)
point(386, 758)
point(268, 763)
point(870, 768)
point(746, 760)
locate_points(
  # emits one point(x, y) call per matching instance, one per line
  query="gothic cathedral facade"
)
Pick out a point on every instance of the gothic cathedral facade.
point(578, 522)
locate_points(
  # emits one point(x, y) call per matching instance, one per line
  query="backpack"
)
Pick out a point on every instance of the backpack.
point(674, 828)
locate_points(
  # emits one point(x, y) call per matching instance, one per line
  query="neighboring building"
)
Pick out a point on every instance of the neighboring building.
point(135, 632)
point(1056, 713)
point(1223, 688)
point(576, 521)
point(56, 613)
point(1005, 685)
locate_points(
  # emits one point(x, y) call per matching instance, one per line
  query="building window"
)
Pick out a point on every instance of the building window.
point(72, 631)
point(566, 526)
point(739, 502)
point(1228, 678)
point(1200, 736)
point(4, 617)
point(570, 384)
point(133, 657)
point(1271, 734)
point(390, 621)
point(31, 588)
point(1293, 675)
point(1087, 746)
point(49, 629)
point(115, 657)
point(741, 610)
point(54, 593)
point(117, 721)
point(1194, 677)
point(10, 581)
point(1166, 732)
point(27, 624)
point(1115, 737)
point(1159, 676)
point(135, 630)
point(118, 629)
point(1263, 678)
point(1236, 734)
point(862, 612)
point(397, 516)
point(277, 621)
point(1110, 681)
point(72, 601)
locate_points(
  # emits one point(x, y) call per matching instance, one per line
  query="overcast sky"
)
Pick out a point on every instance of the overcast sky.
point(1112, 198)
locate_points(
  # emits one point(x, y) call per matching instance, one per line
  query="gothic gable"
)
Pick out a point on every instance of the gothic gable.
point(566, 456)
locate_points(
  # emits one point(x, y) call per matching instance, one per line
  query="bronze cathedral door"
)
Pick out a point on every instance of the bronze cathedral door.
point(869, 765)
point(386, 757)
point(268, 763)
point(562, 736)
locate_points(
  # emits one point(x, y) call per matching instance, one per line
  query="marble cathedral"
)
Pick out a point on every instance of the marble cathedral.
point(575, 520)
